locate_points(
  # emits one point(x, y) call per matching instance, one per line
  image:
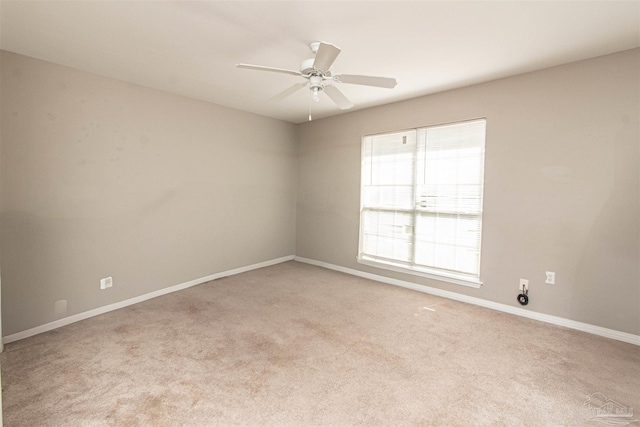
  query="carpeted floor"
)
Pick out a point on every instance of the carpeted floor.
point(297, 345)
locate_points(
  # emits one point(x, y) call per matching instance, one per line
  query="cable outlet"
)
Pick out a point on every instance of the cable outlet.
point(551, 277)
point(524, 285)
point(107, 282)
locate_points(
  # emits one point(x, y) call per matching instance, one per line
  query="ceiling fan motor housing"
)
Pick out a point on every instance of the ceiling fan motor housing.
point(307, 69)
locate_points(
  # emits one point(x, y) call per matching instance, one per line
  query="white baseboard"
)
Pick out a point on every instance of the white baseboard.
point(105, 309)
point(572, 324)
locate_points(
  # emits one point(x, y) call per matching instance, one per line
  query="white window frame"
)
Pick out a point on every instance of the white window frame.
point(452, 276)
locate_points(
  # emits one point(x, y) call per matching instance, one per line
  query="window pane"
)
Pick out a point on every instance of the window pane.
point(392, 158)
point(448, 241)
point(453, 168)
point(388, 196)
point(388, 234)
point(388, 171)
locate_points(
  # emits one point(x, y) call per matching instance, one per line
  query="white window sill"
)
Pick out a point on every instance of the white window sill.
point(439, 275)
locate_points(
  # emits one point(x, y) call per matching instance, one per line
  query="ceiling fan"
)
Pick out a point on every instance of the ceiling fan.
point(317, 71)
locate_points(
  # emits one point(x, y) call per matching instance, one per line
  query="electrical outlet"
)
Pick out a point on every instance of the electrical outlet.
point(551, 278)
point(107, 282)
point(524, 285)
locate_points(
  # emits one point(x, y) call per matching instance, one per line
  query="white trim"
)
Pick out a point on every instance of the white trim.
point(547, 318)
point(115, 306)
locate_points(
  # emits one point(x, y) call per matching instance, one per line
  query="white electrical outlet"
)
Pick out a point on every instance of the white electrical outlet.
point(107, 282)
point(551, 278)
point(524, 283)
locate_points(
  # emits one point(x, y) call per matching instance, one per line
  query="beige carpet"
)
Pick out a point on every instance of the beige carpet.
point(296, 345)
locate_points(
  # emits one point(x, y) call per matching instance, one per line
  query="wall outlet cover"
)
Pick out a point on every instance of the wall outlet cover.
point(551, 277)
point(107, 282)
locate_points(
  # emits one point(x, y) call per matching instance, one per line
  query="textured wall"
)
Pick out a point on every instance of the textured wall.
point(561, 186)
point(99, 177)
point(103, 178)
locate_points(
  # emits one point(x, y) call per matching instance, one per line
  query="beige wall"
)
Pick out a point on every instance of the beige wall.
point(99, 177)
point(103, 178)
point(561, 186)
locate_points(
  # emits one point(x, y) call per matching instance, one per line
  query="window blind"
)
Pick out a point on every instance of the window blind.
point(421, 199)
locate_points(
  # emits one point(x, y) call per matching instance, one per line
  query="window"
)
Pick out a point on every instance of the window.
point(421, 201)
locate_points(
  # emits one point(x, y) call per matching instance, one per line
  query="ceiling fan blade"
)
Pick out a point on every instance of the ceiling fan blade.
point(275, 70)
point(353, 79)
point(327, 53)
point(282, 95)
point(338, 97)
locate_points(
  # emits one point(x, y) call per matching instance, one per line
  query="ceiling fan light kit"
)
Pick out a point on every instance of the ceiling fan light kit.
point(319, 76)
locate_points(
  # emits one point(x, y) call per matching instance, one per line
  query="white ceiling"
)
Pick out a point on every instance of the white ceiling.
point(191, 47)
